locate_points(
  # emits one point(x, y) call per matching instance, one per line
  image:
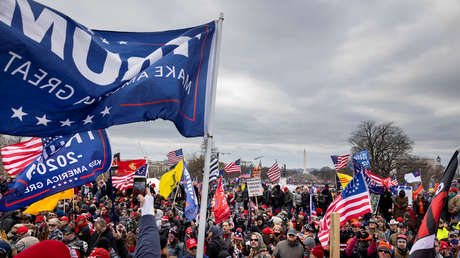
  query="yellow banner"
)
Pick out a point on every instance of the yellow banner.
point(169, 180)
point(49, 203)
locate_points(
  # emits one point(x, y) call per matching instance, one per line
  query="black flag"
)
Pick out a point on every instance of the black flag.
point(424, 242)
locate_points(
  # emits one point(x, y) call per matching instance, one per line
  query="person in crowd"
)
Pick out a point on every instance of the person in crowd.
point(421, 206)
point(55, 231)
point(258, 248)
point(317, 252)
point(453, 204)
point(401, 250)
point(82, 228)
point(291, 247)
point(73, 242)
point(215, 244)
point(361, 245)
point(384, 250)
point(400, 203)
point(276, 199)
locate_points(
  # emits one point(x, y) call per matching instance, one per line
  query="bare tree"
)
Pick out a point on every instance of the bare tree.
point(386, 143)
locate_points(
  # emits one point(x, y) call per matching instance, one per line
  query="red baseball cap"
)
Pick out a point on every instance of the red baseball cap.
point(268, 230)
point(39, 219)
point(99, 253)
point(165, 218)
point(443, 245)
point(191, 243)
point(22, 230)
point(189, 230)
point(80, 218)
point(399, 219)
point(64, 218)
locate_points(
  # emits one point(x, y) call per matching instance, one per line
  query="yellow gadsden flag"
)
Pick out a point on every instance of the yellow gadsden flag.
point(49, 202)
point(344, 179)
point(169, 180)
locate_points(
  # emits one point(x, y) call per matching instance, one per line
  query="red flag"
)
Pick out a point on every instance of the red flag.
point(419, 189)
point(424, 242)
point(220, 205)
point(130, 166)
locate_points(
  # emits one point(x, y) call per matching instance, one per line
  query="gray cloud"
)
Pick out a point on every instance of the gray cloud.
point(303, 74)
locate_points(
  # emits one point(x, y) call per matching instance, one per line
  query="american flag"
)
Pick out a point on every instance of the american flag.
point(353, 202)
point(313, 213)
point(16, 157)
point(174, 156)
point(340, 161)
point(214, 169)
point(123, 182)
point(233, 167)
point(246, 174)
point(274, 173)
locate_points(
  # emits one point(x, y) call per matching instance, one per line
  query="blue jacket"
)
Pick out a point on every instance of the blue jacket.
point(148, 239)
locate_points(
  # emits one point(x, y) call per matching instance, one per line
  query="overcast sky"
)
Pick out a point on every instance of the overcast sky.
point(298, 75)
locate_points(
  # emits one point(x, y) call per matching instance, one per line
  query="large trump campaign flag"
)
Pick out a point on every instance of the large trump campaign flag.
point(59, 77)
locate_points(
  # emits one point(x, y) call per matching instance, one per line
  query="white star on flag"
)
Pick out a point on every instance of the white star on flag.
point(88, 120)
point(105, 41)
point(106, 111)
point(123, 42)
point(66, 122)
point(42, 120)
point(18, 113)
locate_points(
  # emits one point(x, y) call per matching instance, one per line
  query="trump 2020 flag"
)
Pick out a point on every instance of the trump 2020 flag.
point(65, 162)
point(59, 77)
point(424, 241)
point(363, 158)
point(413, 177)
point(191, 202)
point(219, 204)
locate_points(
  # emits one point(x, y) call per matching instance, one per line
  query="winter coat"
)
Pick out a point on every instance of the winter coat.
point(148, 239)
point(297, 199)
point(400, 206)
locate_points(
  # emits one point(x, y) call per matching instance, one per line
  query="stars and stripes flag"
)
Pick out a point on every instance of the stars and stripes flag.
point(353, 202)
point(233, 167)
point(340, 161)
point(16, 157)
point(214, 169)
point(246, 174)
point(123, 182)
point(424, 241)
point(174, 156)
point(313, 213)
point(274, 173)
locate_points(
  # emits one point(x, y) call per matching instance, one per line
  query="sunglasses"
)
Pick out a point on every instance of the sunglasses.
point(384, 251)
point(255, 239)
point(52, 225)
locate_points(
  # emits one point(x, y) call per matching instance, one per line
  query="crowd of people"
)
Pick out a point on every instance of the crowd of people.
point(277, 224)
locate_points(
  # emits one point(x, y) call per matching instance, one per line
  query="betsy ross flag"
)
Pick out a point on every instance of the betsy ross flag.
point(340, 161)
point(353, 202)
point(233, 167)
point(274, 173)
point(123, 182)
point(174, 156)
point(16, 157)
point(424, 241)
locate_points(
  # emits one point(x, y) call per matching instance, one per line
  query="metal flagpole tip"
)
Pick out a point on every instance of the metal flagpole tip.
point(221, 16)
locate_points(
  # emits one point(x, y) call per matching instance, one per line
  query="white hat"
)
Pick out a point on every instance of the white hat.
point(393, 222)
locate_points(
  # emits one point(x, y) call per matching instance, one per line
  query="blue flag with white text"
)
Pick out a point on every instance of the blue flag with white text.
point(65, 162)
point(363, 158)
point(191, 202)
point(59, 77)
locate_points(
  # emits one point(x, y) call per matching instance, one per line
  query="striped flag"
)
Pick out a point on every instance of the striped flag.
point(174, 156)
point(425, 239)
point(340, 161)
point(274, 173)
point(313, 213)
point(214, 169)
point(123, 182)
point(16, 157)
point(353, 202)
point(246, 174)
point(233, 167)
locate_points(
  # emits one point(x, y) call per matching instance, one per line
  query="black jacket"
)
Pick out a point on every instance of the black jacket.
point(148, 239)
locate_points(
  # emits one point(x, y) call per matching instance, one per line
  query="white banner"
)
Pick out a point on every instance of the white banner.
point(255, 187)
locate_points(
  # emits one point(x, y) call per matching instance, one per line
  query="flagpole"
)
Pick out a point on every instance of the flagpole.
point(208, 139)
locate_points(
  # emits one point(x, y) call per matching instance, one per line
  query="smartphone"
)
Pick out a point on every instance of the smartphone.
point(139, 186)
